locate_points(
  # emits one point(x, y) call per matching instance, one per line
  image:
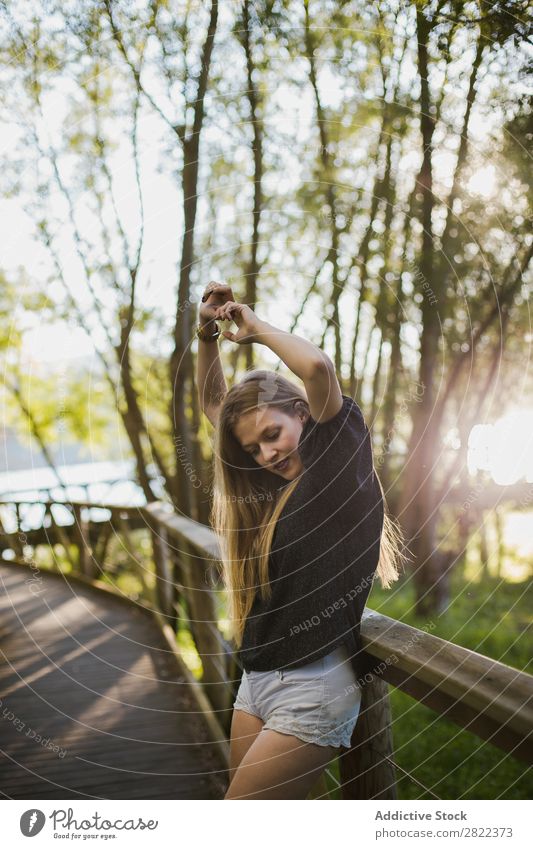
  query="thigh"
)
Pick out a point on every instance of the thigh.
point(279, 766)
point(244, 730)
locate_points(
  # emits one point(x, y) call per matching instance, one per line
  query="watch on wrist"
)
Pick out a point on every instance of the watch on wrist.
point(206, 337)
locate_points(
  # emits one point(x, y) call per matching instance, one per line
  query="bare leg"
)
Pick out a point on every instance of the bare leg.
point(279, 766)
point(244, 731)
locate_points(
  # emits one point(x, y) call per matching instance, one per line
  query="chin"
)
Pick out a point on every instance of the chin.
point(292, 473)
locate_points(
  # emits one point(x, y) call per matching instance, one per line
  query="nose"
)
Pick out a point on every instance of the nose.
point(270, 454)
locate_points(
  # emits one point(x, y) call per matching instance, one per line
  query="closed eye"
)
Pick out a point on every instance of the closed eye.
point(254, 451)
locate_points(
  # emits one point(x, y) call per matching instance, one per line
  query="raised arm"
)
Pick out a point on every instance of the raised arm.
point(303, 358)
point(210, 378)
point(310, 364)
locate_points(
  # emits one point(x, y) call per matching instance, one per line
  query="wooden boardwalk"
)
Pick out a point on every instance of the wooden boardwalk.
point(93, 703)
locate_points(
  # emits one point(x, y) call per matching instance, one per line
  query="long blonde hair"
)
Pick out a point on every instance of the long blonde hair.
point(248, 499)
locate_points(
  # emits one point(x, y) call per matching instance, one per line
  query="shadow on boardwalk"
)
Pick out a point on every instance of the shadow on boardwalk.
point(93, 704)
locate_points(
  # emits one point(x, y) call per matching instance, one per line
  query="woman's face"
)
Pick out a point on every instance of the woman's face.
point(271, 437)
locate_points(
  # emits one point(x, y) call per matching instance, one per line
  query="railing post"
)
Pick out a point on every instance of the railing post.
point(367, 767)
point(101, 543)
point(60, 534)
point(19, 548)
point(81, 534)
point(203, 624)
point(119, 523)
point(14, 538)
point(164, 578)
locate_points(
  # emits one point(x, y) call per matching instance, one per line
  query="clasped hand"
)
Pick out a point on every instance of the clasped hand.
point(246, 320)
point(212, 310)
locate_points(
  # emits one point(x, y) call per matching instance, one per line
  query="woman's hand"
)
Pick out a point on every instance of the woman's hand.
point(215, 295)
point(246, 320)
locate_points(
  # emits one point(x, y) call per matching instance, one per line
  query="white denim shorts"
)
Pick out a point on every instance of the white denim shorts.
point(318, 702)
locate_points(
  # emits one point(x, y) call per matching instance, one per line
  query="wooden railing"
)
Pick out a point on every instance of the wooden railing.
point(484, 696)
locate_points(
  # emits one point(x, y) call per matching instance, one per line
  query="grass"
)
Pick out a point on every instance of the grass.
point(489, 616)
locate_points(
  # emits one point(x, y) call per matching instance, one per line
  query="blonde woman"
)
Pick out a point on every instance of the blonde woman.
point(299, 512)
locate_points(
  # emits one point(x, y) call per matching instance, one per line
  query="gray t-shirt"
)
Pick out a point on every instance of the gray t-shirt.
point(324, 552)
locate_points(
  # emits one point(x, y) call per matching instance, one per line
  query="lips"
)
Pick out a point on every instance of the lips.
point(281, 466)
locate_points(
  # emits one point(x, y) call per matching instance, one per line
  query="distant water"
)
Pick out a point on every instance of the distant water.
point(99, 483)
point(104, 482)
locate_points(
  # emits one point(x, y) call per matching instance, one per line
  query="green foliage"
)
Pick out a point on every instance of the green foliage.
point(71, 408)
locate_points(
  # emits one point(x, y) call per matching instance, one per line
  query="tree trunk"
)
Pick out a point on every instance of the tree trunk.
point(252, 272)
point(181, 366)
point(418, 492)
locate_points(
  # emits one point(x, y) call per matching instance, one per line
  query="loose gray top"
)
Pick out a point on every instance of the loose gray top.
point(324, 552)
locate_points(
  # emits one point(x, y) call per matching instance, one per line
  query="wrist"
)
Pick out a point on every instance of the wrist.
point(209, 325)
point(261, 328)
point(208, 332)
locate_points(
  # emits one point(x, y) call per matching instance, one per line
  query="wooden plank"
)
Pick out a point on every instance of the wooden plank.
point(139, 723)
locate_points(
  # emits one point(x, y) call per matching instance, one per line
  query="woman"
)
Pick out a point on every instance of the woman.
point(299, 512)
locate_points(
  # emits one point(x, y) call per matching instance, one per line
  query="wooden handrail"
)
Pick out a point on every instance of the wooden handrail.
point(476, 692)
